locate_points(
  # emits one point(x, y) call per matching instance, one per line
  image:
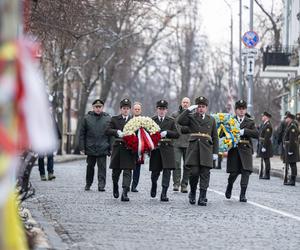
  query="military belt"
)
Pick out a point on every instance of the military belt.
point(244, 141)
point(165, 140)
point(201, 135)
point(119, 140)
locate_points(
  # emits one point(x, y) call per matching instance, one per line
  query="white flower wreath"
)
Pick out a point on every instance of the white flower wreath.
point(140, 122)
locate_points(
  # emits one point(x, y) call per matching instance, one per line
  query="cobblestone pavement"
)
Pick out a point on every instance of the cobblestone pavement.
point(95, 220)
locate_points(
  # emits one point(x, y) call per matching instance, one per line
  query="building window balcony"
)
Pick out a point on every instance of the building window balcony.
point(280, 56)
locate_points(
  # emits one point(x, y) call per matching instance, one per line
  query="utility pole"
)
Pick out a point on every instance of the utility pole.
point(250, 77)
point(230, 82)
point(240, 86)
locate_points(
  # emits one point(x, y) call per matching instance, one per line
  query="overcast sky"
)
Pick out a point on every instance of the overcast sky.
point(216, 20)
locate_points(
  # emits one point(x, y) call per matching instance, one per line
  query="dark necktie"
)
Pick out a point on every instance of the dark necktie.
point(201, 116)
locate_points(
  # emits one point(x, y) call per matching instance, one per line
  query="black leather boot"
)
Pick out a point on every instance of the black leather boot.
point(243, 194)
point(292, 181)
point(163, 196)
point(228, 191)
point(267, 177)
point(116, 190)
point(192, 195)
point(153, 189)
point(202, 197)
point(124, 196)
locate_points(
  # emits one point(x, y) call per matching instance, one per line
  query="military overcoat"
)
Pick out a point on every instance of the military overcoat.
point(201, 148)
point(121, 158)
point(163, 157)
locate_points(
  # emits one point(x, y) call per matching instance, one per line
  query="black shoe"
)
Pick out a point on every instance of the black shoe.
point(192, 198)
point(87, 188)
point(176, 188)
point(163, 196)
point(243, 198)
point(101, 189)
point(134, 190)
point(153, 189)
point(116, 191)
point(243, 194)
point(202, 198)
point(124, 196)
point(292, 181)
point(228, 191)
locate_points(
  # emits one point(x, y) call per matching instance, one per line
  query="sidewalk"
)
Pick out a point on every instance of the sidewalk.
point(277, 167)
point(67, 158)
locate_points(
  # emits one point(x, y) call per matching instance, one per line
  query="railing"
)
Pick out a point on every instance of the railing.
point(280, 56)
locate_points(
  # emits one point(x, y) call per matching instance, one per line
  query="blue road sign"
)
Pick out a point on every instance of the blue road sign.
point(250, 39)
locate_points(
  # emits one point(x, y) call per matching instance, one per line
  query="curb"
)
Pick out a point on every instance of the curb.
point(274, 173)
point(52, 237)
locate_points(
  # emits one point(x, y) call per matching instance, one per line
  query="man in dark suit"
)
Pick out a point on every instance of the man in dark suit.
point(162, 159)
point(95, 143)
point(291, 147)
point(265, 151)
point(122, 159)
point(203, 147)
point(239, 159)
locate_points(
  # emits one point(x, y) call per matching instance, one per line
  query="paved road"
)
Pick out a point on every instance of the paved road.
point(94, 220)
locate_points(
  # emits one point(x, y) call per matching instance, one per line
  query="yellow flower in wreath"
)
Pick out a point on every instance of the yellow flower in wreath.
point(221, 117)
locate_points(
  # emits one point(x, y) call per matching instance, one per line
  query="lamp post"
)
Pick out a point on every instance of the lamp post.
point(231, 46)
point(240, 86)
point(250, 77)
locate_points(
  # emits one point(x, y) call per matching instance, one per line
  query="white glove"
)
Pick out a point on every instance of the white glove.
point(215, 157)
point(120, 133)
point(163, 134)
point(263, 150)
point(290, 153)
point(242, 131)
point(191, 108)
point(82, 152)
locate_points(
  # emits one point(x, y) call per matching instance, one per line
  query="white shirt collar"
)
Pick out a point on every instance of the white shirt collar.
point(240, 120)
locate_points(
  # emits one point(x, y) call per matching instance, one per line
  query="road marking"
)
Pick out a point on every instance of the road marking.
point(261, 206)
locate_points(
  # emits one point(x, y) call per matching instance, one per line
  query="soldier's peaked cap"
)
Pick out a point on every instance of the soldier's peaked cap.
point(290, 115)
point(98, 102)
point(267, 114)
point(162, 104)
point(240, 104)
point(125, 103)
point(201, 100)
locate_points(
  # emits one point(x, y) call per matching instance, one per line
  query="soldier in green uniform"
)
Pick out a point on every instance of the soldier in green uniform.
point(122, 159)
point(202, 148)
point(291, 147)
point(239, 159)
point(162, 159)
point(265, 151)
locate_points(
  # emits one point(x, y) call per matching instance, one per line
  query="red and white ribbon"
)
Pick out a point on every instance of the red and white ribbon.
point(145, 143)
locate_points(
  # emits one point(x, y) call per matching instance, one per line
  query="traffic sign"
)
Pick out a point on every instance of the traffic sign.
point(250, 39)
point(250, 66)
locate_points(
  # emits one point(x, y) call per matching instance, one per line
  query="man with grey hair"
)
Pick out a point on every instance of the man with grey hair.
point(136, 111)
point(180, 146)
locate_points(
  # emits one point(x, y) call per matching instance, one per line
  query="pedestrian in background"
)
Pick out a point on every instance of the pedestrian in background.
point(203, 147)
point(180, 146)
point(95, 143)
point(265, 151)
point(122, 159)
point(239, 159)
point(50, 157)
point(291, 147)
point(136, 111)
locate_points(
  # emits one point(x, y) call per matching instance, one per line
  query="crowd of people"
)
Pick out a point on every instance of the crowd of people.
point(190, 136)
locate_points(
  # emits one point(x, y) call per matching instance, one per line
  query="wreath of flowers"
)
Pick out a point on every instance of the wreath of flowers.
point(228, 131)
point(141, 135)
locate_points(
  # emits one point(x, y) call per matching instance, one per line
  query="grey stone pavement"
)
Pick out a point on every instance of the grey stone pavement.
point(75, 219)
